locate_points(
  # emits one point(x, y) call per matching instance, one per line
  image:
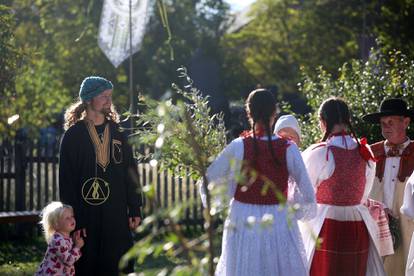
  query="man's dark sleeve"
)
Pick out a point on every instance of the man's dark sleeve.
point(67, 173)
point(134, 195)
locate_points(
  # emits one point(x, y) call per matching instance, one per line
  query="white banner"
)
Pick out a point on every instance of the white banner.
point(113, 36)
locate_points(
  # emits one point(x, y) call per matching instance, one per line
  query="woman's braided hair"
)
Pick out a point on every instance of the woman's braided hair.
point(334, 111)
point(261, 107)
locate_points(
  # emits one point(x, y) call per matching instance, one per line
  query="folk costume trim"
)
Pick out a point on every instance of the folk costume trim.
point(101, 147)
point(406, 161)
point(394, 150)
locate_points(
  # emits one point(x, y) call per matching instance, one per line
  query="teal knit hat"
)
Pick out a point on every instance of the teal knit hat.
point(93, 86)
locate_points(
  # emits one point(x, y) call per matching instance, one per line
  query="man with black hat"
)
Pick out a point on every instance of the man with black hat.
point(395, 164)
point(98, 177)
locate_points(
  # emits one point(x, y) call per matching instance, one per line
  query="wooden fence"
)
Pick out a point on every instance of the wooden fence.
point(29, 180)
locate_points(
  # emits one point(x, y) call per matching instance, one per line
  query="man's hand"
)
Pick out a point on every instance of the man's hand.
point(134, 222)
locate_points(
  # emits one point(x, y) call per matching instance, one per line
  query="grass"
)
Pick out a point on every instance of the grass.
point(21, 257)
point(152, 266)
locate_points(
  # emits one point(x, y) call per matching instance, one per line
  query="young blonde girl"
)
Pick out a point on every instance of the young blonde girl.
point(62, 252)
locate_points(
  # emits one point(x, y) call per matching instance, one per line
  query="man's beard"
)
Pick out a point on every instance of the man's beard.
point(106, 111)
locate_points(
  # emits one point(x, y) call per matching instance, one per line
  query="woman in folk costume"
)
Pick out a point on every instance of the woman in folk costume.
point(407, 209)
point(341, 170)
point(261, 236)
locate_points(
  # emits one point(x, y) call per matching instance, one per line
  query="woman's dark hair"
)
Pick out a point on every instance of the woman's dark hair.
point(334, 111)
point(260, 107)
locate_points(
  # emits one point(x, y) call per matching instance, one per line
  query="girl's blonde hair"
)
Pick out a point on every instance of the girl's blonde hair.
point(50, 218)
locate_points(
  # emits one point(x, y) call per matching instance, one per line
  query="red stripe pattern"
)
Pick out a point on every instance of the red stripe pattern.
point(343, 250)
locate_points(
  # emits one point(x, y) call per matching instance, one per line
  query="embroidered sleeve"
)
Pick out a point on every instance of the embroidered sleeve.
point(64, 251)
point(319, 163)
point(303, 198)
point(222, 173)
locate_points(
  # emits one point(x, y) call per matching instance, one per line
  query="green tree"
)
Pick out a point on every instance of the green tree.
point(70, 30)
point(41, 62)
point(9, 58)
point(30, 88)
point(58, 44)
point(363, 85)
point(195, 26)
point(394, 25)
point(186, 138)
point(284, 35)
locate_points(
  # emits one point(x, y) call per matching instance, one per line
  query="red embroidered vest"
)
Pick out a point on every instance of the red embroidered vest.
point(269, 176)
point(346, 185)
point(406, 161)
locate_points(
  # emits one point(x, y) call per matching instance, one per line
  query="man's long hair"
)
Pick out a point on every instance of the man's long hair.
point(77, 111)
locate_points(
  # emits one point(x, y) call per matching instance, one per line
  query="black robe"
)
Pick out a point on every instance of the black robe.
point(104, 216)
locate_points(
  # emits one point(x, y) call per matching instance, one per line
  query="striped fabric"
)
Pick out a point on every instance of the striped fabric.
point(376, 209)
point(343, 250)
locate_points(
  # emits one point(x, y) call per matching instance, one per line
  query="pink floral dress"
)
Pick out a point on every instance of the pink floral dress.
point(60, 257)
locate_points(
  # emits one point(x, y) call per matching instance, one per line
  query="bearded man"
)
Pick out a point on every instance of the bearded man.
point(98, 177)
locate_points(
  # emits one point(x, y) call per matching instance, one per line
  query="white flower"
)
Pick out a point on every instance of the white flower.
point(13, 119)
point(210, 186)
point(153, 163)
point(213, 211)
point(204, 260)
point(161, 111)
point(159, 142)
point(251, 220)
point(296, 206)
point(267, 218)
point(160, 128)
point(168, 246)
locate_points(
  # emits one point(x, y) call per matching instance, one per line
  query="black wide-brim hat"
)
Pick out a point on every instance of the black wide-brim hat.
point(389, 107)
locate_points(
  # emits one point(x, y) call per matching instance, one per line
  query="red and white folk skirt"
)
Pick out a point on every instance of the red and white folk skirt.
point(343, 249)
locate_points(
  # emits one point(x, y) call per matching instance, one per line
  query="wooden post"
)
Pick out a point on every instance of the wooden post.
point(20, 184)
point(20, 180)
